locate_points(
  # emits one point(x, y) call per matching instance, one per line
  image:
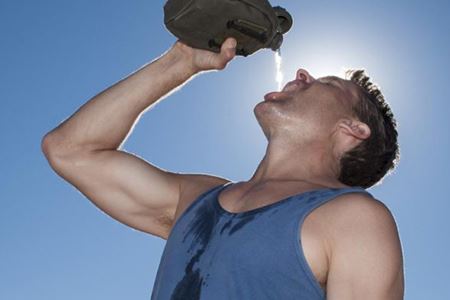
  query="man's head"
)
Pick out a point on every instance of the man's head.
point(347, 117)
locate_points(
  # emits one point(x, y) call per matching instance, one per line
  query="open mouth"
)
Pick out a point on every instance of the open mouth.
point(286, 93)
point(276, 96)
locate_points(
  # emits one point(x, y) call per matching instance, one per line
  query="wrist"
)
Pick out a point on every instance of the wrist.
point(183, 56)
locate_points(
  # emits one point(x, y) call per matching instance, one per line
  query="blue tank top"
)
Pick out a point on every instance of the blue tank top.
point(213, 254)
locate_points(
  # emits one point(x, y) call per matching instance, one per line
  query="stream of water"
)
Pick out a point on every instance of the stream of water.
point(279, 73)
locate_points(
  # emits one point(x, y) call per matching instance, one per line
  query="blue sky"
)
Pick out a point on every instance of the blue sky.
point(56, 55)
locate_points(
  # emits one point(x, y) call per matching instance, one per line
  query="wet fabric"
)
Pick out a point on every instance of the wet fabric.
point(214, 254)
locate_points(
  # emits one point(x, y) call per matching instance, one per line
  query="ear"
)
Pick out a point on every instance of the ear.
point(355, 128)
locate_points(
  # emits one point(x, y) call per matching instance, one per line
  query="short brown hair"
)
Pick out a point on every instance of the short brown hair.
point(366, 164)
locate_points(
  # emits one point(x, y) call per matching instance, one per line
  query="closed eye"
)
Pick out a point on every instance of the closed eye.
point(330, 82)
point(327, 81)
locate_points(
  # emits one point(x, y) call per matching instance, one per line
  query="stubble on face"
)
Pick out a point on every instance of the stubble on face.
point(301, 105)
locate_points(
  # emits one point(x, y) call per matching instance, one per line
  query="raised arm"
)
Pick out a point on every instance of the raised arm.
point(85, 148)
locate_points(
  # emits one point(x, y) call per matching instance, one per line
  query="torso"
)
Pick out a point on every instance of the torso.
point(236, 199)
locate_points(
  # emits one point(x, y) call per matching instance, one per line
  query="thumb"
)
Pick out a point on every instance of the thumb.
point(228, 49)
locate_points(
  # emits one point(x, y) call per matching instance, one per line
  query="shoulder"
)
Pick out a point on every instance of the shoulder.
point(364, 240)
point(360, 212)
point(193, 186)
point(354, 218)
point(364, 243)
point(359, 217)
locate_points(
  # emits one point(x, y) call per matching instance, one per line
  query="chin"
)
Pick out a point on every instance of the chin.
point(262, 109)
point(267, 114)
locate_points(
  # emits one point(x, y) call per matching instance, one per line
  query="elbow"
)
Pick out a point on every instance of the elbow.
point(49, 149)
point(55, 149)
point(46, 145)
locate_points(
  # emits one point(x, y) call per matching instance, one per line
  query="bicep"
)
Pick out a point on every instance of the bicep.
point(366, 255)
point(126, 187)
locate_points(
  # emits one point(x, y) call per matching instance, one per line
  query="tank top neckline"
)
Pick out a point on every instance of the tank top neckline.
point(250, 212)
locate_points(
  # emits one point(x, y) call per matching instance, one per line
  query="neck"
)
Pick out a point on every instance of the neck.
point(312, 162)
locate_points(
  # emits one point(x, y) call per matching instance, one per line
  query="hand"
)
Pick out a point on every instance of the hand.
point(203, 60)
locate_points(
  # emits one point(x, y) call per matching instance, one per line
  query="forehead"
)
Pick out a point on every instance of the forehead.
point(349, 88)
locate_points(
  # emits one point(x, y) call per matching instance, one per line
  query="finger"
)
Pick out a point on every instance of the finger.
point(228, 49)
point(229, 43)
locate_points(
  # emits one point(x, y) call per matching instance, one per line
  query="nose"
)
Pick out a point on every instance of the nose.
point(302, 74)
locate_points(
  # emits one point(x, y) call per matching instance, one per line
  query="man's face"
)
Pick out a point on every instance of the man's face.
point(307, 106)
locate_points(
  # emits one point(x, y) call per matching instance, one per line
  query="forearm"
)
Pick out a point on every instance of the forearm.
point(105, 120)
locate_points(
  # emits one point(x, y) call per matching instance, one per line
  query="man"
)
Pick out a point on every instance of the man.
point(303, 227)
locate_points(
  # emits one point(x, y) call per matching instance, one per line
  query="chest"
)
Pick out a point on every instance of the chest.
point(311, 232)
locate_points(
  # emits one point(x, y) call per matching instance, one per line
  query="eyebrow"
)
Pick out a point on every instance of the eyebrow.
point(331, 77)
point(335, 79)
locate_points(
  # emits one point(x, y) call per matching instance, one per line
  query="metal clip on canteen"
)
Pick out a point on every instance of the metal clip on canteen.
point(205, 24)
